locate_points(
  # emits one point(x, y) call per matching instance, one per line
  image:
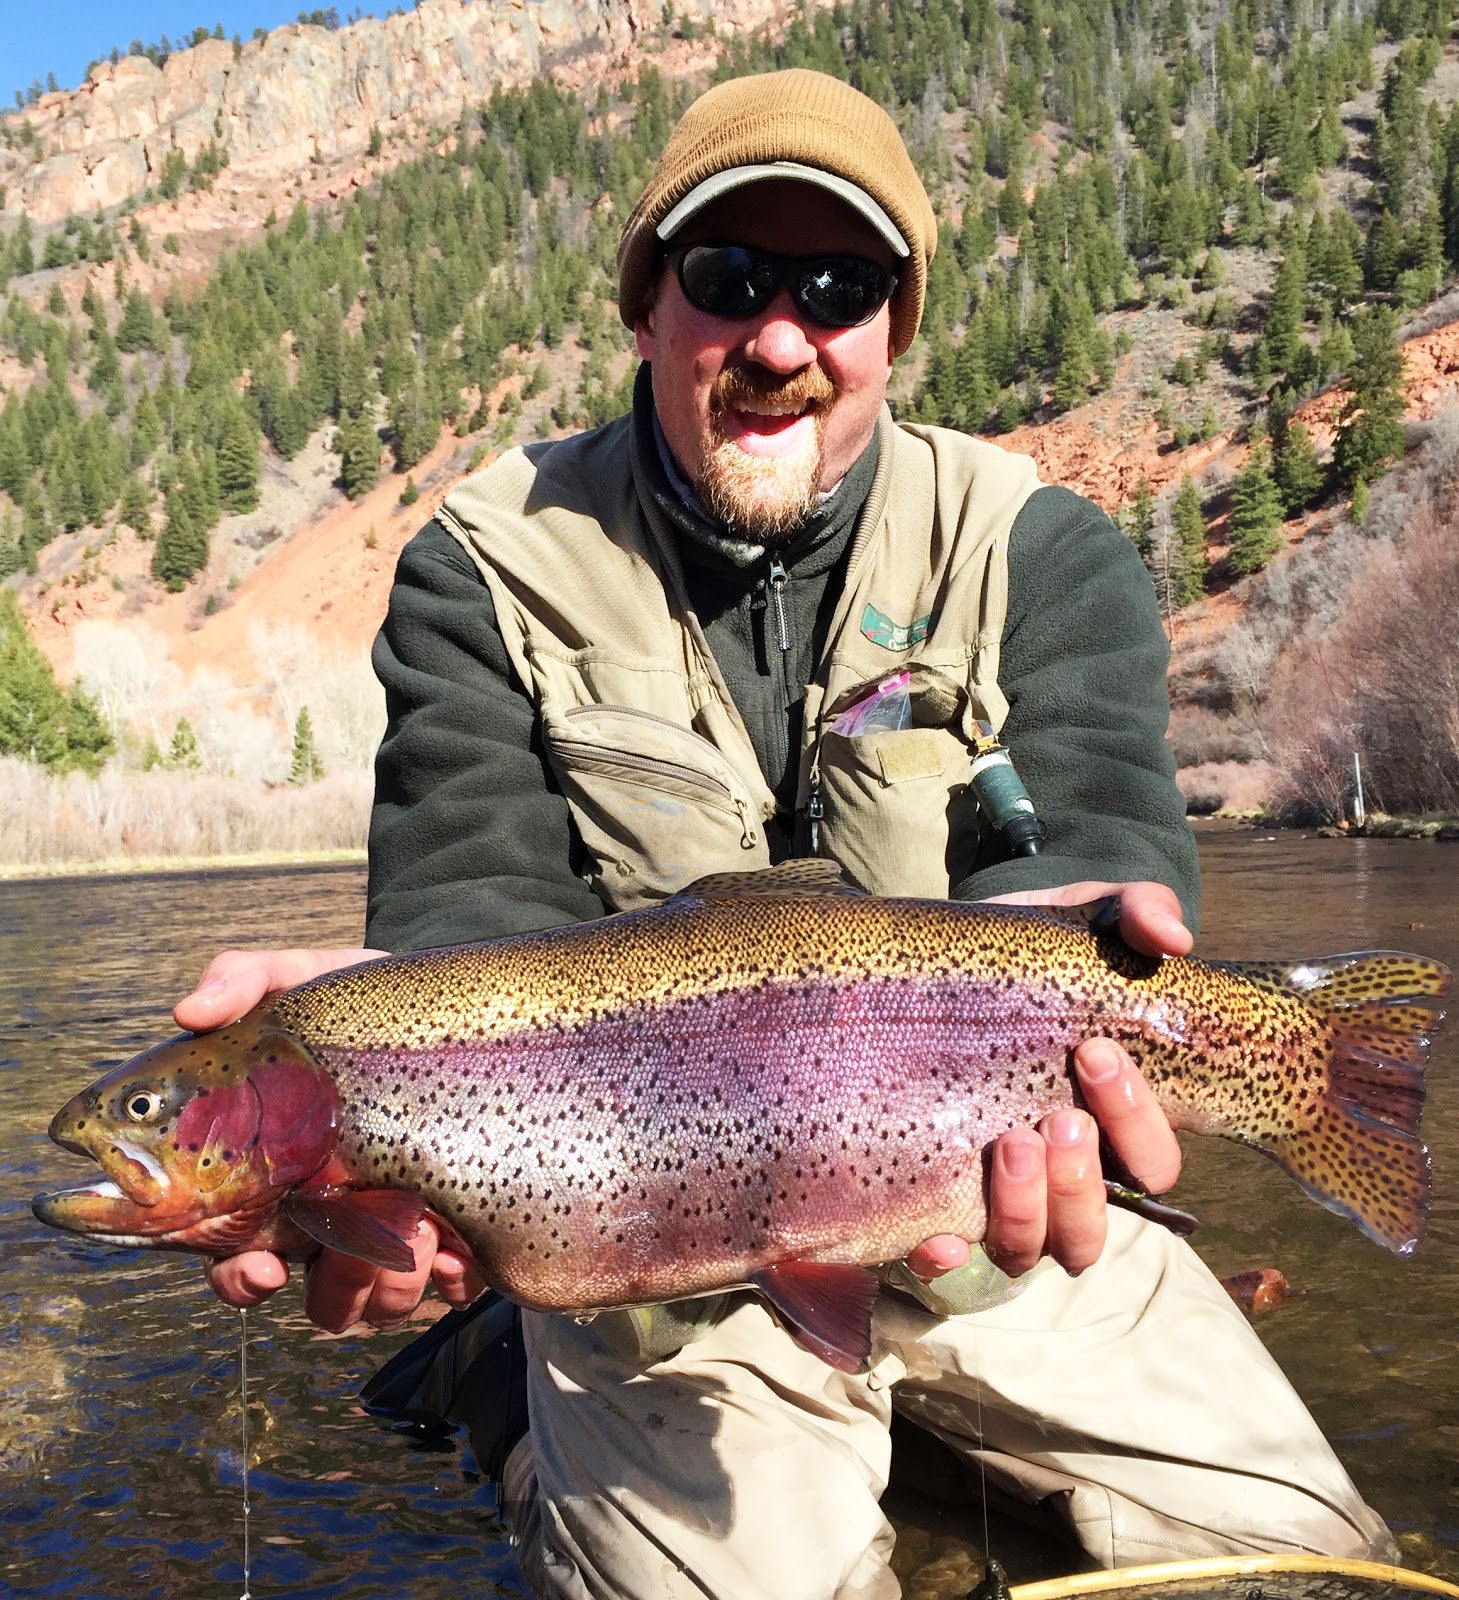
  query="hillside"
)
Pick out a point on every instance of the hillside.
point(264, 302)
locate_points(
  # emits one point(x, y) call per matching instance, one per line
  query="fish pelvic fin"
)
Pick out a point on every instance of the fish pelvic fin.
point(1363, 1158)
point(827, 1306)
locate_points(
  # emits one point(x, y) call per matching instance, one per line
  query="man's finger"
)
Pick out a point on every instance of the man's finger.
point(1124, 1105)
point(1017, 1202)
point(457, 1278)
point(1151, 921)
point(943, 1252)
point(248, 1279)
point(1076, 1203)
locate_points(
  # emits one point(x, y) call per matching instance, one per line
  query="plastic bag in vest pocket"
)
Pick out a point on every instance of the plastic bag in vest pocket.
point(656, 804)
point(898, 813)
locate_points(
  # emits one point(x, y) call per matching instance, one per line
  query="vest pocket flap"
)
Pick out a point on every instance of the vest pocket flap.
point(897, 756)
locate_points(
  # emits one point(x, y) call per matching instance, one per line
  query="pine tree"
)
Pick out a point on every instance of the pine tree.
point(1285, 313)
point(135, 509)
point(359, 455)
point(182, 548)
point(1188, 525)
point(39, 721)
point(238, 461)
point(305, 765)
point(1384, 254)
point(137, 329)
point(1256, 513)
point(1370, 426)
point(1296, 469)
point(1138, 518)
point(1071, 381)
point(183, 755)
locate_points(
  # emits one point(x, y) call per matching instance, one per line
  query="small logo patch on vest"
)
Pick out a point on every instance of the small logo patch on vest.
point(880, 629)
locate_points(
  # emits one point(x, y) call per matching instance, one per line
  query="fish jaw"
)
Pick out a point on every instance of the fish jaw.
point(198, 1140)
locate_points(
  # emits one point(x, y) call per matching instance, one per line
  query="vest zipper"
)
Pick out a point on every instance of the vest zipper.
point(594, 755)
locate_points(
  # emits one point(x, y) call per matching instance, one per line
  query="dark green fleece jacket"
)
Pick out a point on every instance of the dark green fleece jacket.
point(470, 837)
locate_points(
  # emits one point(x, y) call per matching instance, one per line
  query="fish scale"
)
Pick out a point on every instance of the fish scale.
point(765, 1081)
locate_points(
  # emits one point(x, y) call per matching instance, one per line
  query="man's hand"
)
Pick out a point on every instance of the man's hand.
point(340, 1290)
point(1046, 1189)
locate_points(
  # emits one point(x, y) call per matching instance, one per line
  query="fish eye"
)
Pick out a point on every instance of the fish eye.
point(143, 1105)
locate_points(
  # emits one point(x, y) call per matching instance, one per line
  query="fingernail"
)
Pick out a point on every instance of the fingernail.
point(1099, 1062)
point(1066, 1127)
point(1020, 1160)
point(211, 985)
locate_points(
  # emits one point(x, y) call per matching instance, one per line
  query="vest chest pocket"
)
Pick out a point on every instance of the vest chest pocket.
point(656, 804)
point(899, 815)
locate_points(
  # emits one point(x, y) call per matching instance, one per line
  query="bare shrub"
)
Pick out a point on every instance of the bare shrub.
point(1239, 786)
point(169, 814)
point(241, 729)
point(1382, 678)
point(1199, 735)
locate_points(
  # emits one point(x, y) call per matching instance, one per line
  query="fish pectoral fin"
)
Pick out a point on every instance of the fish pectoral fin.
point(807, 878)
point(376, 1225)
point(828, 1306)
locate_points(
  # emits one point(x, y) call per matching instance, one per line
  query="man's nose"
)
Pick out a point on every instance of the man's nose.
point(777, 339)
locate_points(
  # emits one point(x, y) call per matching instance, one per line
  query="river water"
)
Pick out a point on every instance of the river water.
point(119, 1396)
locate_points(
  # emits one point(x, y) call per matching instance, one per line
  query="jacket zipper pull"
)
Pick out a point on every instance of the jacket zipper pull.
point(815, 809)
point(777, 595)
point(748, 837)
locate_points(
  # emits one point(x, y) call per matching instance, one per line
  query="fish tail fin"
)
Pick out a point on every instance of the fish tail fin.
point(1363, 1157)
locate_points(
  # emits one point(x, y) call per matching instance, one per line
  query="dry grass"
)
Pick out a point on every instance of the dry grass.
point(173, 816)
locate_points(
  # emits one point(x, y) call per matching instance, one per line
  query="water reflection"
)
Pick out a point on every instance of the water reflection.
point(119, 1420)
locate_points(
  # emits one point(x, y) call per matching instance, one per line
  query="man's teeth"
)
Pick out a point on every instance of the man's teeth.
point(770, 408)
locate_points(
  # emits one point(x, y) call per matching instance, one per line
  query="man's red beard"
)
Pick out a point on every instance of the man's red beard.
point(763, 498)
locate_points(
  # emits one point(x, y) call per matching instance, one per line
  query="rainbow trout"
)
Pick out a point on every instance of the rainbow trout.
point(769, 1080)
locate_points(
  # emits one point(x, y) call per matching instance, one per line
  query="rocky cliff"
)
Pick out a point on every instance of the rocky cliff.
point(308, 94)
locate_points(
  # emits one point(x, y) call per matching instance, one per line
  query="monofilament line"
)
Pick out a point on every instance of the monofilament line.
point(243, 1394)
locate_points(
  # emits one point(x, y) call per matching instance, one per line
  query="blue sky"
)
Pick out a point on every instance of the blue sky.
point(64, 35)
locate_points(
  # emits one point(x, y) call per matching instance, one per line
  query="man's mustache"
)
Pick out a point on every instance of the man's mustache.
point(737, 387)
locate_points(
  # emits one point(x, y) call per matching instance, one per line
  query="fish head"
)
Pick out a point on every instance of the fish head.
point(198, 1139)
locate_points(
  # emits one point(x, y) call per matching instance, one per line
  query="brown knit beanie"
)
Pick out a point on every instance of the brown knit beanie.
point(808, 118)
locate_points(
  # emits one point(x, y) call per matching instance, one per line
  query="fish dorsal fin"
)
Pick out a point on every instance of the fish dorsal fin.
point(376, 1225)
point(791, 880)
point(828, 1306)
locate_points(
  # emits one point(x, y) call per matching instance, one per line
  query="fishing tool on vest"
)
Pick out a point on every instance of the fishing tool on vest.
point(1002, 797)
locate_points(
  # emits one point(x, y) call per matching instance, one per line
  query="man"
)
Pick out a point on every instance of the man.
point(614, 664)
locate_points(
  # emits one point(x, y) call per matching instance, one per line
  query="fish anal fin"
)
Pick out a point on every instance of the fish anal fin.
point(828, 1306)
point(804, 879)
point(375, 1225)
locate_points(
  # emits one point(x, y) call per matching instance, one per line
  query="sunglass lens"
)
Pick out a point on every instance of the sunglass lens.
point(725, 280)
point(844, 292)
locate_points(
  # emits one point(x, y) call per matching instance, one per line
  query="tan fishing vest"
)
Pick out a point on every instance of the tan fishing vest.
point(642, 735)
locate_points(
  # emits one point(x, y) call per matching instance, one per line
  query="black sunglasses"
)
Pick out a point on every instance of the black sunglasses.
point(735, 280)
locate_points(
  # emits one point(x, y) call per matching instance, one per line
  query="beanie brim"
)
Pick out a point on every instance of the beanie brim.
point(807, 118)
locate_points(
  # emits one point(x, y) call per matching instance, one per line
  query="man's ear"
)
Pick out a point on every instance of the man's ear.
point(643, 335)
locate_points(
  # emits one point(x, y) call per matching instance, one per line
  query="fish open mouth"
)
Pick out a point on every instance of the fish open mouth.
point(102, 1207)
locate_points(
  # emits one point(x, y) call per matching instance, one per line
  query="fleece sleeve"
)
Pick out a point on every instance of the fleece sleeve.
point(469, 837)
point(1083, 665)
